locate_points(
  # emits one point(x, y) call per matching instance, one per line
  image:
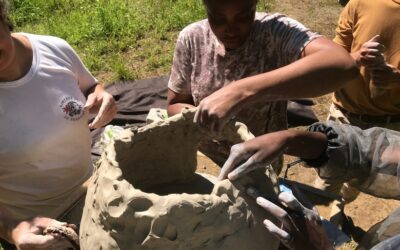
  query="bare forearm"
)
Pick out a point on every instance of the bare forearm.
point(306, 145)
point(314, 75)
point(176, 102)
point(177, 108)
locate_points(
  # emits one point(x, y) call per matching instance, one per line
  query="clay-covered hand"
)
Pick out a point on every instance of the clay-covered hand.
point(385, 76)
point(217, 109)
point(102, 103)
point(299, 227)
point(30, 235)
point(371, 53)
point(252, 154)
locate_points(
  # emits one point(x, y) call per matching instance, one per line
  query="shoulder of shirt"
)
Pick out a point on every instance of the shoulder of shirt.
point(49, 41)
point(195, 29)
point(263, 17)
point(56, 45)
point(267, 20)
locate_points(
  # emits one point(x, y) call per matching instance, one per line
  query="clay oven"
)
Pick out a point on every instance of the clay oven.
point(145, 194)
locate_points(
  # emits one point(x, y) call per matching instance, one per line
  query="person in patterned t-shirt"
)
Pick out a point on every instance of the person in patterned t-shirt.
point(236, 43)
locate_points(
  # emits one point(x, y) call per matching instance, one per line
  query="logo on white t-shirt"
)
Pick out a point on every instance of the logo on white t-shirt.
point(72, 108)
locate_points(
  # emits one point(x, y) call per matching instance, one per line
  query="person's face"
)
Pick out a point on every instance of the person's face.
point(231, 21)
point(6, 45)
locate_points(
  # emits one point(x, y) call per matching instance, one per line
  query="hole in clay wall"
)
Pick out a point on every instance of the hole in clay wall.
point(162, 159)
point(159, 176)
point(199, 184)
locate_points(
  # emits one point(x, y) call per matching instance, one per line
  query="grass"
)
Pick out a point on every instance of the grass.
point(116, 39)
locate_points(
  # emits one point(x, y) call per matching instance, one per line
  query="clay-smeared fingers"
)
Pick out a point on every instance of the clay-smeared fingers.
point(73, 226)
point(302, 198)
point(106, 112)
point(90, 102)
point(67, 233)
point(235, 157)
point(371, 54)
point(372, 46)
point(244, 168)
point(203, 118)
point(197, 114)
point(294, 204)
point(280, 234)
point(374, 43)
point(290, 201)
point(276, 211)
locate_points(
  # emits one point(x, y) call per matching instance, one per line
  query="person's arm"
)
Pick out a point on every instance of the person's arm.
point(263, 150)
point(97, 99)
point(368, 159)
point(176, 102)
point(324, 67)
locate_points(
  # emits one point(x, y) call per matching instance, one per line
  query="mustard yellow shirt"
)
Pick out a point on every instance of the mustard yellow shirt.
point(359, 22)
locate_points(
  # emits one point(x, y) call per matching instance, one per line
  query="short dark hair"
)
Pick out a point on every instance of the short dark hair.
point(4, 13)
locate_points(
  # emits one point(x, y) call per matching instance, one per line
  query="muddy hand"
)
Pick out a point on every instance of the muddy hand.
point(299, 228)
point(253, 154)
point(103, 102)
point(30, 235)
point(214, 111)
point(65, 232)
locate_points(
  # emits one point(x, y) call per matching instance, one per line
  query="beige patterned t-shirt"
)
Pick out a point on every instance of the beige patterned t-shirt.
point(202, 65)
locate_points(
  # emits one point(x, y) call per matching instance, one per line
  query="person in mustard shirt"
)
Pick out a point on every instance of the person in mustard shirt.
point(370, 31)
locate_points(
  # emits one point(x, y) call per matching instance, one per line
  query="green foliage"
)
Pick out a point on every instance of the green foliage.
point(104, 31)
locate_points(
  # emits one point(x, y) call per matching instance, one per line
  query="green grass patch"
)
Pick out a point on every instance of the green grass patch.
point(116, 39)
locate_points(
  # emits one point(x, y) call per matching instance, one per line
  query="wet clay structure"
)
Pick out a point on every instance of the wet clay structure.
point(145, 194)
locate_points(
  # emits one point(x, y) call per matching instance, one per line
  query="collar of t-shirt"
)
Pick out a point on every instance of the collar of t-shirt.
point(28, 76)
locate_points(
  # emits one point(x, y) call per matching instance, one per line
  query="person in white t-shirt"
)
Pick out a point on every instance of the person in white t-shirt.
point(46, 95)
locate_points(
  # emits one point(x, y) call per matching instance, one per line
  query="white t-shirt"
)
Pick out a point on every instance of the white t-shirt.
point(44, 136)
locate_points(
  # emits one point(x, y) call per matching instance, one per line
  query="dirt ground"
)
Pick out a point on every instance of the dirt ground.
point(321, 16)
